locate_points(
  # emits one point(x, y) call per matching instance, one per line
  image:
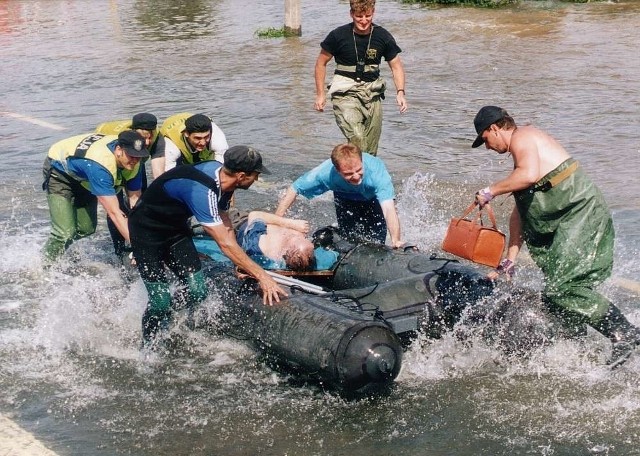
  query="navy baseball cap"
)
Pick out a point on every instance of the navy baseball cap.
point(144, 121)
point(487, 116)
point(133, 144)
point(244, 158)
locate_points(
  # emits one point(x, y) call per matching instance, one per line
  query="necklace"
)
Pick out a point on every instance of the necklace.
point(360, 63)
point(510, 139)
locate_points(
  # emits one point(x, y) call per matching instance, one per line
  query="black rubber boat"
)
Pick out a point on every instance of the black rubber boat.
point(347, 325)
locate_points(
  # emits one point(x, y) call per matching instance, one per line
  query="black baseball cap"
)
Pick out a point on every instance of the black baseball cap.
point(133, 144)
point(197, 123)
point(487, 116)
point(144, 121)
point(244, 158)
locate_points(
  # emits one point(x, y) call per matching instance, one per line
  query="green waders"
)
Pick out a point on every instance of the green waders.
point(161, 304)
point(358, 113)
point(569, 233)
point(73, 211)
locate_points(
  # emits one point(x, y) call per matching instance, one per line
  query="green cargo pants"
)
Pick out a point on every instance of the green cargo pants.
point(73, 211)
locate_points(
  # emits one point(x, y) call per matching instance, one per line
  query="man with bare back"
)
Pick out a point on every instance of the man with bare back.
point(565, 221)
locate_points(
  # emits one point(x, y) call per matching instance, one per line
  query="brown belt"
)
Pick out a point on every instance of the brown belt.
point(555, 180)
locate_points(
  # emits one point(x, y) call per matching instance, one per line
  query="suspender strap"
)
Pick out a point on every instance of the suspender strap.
point(558, 178)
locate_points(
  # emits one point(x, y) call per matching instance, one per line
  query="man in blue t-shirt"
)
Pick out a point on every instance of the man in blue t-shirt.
point(362, 191)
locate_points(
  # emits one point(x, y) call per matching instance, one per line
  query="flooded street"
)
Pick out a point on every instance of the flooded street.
point(71, 369)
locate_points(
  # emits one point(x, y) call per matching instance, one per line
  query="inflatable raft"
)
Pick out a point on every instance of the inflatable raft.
point(347, 323)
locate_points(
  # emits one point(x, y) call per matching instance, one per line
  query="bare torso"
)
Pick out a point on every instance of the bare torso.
point(278, 240)
point(533, 142)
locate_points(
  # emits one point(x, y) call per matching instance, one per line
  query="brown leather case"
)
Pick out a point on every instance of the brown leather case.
point(470, 239)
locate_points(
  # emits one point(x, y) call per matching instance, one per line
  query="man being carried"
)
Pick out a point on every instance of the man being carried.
point(192, 139)
point(565, 221)
point(161, 236)
point(357, 90)
point(363, 195)
point(274, 242)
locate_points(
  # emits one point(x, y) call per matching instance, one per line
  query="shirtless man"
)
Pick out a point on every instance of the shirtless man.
point(275, 242)
point(565, 221)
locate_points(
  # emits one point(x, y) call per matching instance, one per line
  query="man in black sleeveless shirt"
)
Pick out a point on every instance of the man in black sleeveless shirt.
point(357, 89)
point(161, 235)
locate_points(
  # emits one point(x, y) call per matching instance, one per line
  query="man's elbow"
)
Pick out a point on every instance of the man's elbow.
point(224, 242)
point(528, 180)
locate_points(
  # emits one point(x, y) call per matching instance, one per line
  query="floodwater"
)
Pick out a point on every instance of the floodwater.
point(71, 372)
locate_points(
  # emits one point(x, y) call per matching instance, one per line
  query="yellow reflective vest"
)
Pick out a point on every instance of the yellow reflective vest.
point(115, 127)
point(172, 128)
point(92, 146)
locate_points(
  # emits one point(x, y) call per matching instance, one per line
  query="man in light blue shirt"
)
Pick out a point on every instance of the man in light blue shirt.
point(362, 190)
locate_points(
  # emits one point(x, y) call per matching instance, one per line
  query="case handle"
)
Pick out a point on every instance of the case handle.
point(492, 216)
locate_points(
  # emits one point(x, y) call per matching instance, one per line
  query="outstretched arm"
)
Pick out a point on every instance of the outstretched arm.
point(273, 219)
point(393, 222)
point(515, 235)
point(507, 266)
point(112, 208)
point(157, 166)
point(224, 237)
point(286, 201)
point(320, 73)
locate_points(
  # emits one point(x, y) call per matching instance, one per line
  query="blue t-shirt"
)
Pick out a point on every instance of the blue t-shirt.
point(100, 180)
point(376, 182)
point(204, 203)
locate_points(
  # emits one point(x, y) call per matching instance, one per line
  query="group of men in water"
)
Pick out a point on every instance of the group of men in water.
point(559, 213)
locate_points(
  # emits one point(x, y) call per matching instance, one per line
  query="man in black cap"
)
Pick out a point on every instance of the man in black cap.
point(161, 235)
point(192, 138)
point(147, 125)
point(86, 169)
point(564, 219)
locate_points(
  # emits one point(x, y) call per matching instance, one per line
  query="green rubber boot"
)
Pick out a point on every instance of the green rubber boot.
point(624, 336)
point(157, 316)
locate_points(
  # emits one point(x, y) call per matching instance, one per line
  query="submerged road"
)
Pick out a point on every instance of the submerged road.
point(15, 441)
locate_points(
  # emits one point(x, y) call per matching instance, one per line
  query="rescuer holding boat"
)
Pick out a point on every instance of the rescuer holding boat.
point(192, 138)
point(146, 124)
point(161, 235)
point(82, 171)
point(363, 195)
point(565, 221)
point(357, 90)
